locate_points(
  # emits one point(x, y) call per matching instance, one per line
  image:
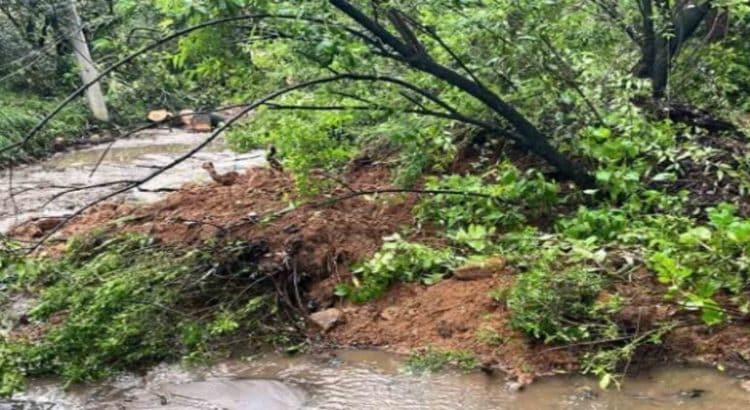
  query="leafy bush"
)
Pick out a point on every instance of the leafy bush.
point(602, 224)
point(705, 259)
point(513, 195)
point(21, 112)
point(556, 307)
point(119, 303)
point(304, 140)
point(396, 260)
point(475, 237)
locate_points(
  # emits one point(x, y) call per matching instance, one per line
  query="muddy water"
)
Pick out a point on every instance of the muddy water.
point(34, 185)
point(374, 380)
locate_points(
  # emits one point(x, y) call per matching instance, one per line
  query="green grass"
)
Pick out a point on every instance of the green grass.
point(433, 359)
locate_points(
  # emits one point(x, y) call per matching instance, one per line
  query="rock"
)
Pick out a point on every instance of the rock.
point(585, 393)
point(691, 393)
point(327, 319)
point(59, 144)
point(480, 269)
point(389, 313)
point(514, 387)
point(745, 385)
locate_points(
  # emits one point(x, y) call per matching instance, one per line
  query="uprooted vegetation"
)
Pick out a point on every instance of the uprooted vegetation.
point(114, 303)
point(490, 185)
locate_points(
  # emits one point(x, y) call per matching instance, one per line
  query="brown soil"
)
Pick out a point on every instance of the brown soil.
point(322, 242)
point(453, 315)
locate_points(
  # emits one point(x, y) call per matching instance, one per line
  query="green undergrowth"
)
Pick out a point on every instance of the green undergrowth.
point(21, 112)
point(566, 289)
point(431, 359)
point(397, 260)
point(119, 303)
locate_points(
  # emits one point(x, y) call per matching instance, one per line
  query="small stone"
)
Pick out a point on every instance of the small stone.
point(692, 393)
point(58, 144)
point(389, 313)
point(745, 385)
point(514, 387)
point(480, 269)
point(327, 319)
point(585, 393)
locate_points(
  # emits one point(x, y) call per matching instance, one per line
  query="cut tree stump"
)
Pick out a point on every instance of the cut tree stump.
point(201, 123)
point(159, 115)
point(184, 117)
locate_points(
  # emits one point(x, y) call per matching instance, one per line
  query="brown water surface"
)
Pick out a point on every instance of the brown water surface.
point(33, 186)
point(376, 380)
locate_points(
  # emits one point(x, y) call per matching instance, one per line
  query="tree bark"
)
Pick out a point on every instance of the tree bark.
point(89, 73)
point(658, 50)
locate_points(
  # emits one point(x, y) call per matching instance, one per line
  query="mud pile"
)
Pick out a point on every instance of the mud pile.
point(318, 239)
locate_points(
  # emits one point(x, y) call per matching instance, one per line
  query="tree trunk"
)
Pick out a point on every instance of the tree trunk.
point(658, 50)
point(74, 30)
point(413, 53)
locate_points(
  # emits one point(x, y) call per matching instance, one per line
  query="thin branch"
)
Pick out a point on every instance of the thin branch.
point(84, 188)
point(613, 14)
point(572, 82)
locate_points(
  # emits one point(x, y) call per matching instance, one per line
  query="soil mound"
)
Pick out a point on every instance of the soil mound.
point(316, 240)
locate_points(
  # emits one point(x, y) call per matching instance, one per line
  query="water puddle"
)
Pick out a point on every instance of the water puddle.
point(375, 380)
point(35, 185)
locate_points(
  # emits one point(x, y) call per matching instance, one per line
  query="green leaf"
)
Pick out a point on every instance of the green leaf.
point(739, 231)
point(664, 177)
point(695, 236)
point(712, 316)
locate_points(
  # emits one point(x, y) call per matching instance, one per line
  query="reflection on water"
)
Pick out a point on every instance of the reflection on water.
point(130, 159)
point(374, 380)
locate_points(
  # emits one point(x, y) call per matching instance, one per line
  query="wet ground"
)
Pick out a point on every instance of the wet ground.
point(35, 185)
point(374, 380)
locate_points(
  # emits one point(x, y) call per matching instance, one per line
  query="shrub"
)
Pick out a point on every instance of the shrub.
point(602, 224)
point(705, 259)
point(433, 359)
point(396, 260)
point(514, 194)
point(556, 307)
point(21, 112)
point(114, 304)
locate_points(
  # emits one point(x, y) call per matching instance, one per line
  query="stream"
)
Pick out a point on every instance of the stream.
point(358, 379)
point(375, 380)
point(35, 185)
